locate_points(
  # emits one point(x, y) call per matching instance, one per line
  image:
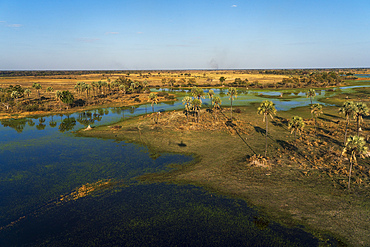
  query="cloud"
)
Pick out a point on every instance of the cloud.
point(108, 33)
point(87, 40)
point(234, 6)
point(15, 25)
point(10, 25)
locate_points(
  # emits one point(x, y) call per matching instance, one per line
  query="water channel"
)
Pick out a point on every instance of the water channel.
point(41, 159)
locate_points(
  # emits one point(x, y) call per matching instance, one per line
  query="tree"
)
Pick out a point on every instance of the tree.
point(216, 101)
point(311, 94)
point(67, 98)
point(355, 146)
point(348, 110)
point(15, 95)
point(296, 124)
point(266, 109)
point(210, 94)
point(196, 104)
point(316, 110)
point(28, 92)
point(232, 93)
point(222, 80)
point(153, 98)
point(187, 102)
point(37, 86)
point(197, 93)
point(360, 110)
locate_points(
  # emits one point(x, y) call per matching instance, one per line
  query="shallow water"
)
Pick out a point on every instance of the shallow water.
point(40, 159)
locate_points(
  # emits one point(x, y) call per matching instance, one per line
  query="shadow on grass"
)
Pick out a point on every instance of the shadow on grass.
point(329, 139)
point(260, 130)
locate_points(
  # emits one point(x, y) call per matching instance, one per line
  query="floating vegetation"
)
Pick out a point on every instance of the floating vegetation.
point(87, 189)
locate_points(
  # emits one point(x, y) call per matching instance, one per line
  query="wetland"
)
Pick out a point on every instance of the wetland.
point(132, 180)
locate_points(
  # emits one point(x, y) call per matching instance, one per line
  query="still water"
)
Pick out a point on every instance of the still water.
point(41, 159)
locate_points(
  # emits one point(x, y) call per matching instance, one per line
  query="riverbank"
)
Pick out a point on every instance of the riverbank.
point(123, 101)
point(295, 186)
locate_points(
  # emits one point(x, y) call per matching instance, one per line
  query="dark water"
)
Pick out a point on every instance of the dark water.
point(40, 160)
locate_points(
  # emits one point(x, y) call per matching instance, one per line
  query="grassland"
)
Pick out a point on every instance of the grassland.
point(303, 182)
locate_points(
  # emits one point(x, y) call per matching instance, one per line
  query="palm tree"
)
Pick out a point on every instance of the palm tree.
point(360, 110)
point(187, 102)
point(153, 98)
point(197, 93)
point(15, 95)
point(37, 86)
point(355, 146)
point(28, 92)
point(311, 94)
point(210, 94)
point(266, 109)
point(58, 96)
point(232, 93)
point(296, 124)
point(348, 110)
point(196, 104)
point(316, 109)
point(216, 101)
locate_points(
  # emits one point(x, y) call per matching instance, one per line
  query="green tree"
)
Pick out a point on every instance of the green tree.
point(360, 110)
point(296, 125)
point(355, 146)
point(186, 101)
point(197, 93)
point(311, 93)
point(196, 105)
point(232, 93)
point(67, 98)
point(37, 86)
point(266, 109)
point(348, 110)
point(28, 92)
point(222, 80)
point(153, 99)
point(316, 110)
point(216, 101)
point(210, 94)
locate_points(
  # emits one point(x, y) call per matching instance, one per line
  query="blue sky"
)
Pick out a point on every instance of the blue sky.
point(202, 34)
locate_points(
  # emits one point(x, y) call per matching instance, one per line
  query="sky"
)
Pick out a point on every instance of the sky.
point(192, 34)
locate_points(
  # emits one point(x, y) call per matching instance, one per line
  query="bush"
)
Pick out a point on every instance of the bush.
point(137, 100)
point(32, 107)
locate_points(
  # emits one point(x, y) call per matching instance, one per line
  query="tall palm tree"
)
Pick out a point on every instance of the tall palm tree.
point(355, 146)
point(232, 93)
point(311, 94)
point(153, 98)
point(360, 110)
point(28, 92)
point(196, 104)
point(316, 110)
point(216, 101)
point(187, 102)
point(266, 109)
point(348, 110)
point(296, 124)
point(197, 93)
point(37, 86)
point(210, 94)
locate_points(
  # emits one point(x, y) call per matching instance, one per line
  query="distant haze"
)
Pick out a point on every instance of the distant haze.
point(206, 34)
